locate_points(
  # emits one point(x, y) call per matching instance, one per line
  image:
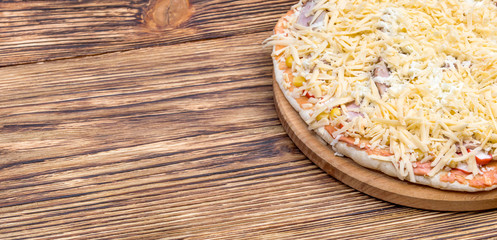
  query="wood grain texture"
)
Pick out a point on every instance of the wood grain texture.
point(166, 14)
point(177, 142)
point(374, 183)
point(32, 31)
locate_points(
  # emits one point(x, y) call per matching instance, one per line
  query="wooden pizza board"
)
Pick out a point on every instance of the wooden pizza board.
point(372, 182)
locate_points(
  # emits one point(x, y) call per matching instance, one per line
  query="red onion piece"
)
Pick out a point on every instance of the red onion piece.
point(381, 70)
point(306, 15)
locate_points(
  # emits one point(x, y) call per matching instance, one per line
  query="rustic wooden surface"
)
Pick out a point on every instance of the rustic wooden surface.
point(112, 127)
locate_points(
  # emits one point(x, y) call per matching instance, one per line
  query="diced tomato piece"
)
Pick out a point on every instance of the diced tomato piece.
point(482, 158)
point(308, 95)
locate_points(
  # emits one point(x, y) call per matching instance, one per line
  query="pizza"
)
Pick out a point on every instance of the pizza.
point(408, 88)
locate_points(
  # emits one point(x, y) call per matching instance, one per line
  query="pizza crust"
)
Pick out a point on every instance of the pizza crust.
point(360, 156)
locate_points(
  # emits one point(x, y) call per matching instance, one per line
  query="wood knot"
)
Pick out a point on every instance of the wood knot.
point(167, 14)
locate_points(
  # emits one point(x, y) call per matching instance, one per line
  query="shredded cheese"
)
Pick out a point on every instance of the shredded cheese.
point(441, 88)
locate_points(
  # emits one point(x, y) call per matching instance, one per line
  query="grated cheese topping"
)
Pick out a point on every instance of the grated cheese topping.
point(441, 90)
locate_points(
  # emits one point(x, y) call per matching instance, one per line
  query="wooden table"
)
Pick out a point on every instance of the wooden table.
point(144, 120)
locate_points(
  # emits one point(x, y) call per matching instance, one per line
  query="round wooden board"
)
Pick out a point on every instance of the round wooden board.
point(372, 182)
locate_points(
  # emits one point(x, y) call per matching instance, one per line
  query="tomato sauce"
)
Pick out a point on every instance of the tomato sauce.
point(486, 179)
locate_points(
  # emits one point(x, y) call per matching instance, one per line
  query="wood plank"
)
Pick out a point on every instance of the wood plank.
point(32, 31)
point(137, 145)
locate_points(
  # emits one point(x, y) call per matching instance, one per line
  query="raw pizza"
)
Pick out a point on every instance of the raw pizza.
point(408, 88)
